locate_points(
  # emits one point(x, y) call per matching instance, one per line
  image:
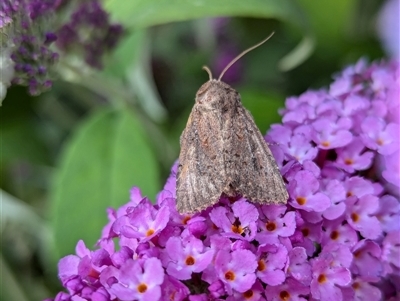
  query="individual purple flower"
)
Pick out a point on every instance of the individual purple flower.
point(353, 157)
point(327, 280)
point(360, 215)
point(366, 263)
point(330, 134)
point(298, 266)
point(378, 135)
point(240, 223)
point(142, 222)
point(185, 256)
point(307, 235)
point(389, 213)
point(135, 198)
point(337, 231)
point(296, 145)
point(301, 149)
point(236, 269)
point(271, 262)
point(358, 186)
point(275, 222)
point(337, 255)
point(135, 280)
point(304, 193)
point(365, 291)
point(290, 290)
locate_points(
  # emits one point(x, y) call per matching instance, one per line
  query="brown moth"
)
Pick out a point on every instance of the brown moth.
point(223, 151)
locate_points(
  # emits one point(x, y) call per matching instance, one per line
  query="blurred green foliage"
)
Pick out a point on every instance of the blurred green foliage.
point(72, 152)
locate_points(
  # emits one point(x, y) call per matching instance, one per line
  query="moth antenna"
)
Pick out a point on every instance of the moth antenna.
point(208, 71)
point(242, 54)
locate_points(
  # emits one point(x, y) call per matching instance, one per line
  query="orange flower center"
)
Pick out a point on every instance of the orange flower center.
point(348, 161)
point(93, 273)
point(301, 200)
point(270, 226)
point(190, 260)
point(261, 265)
point(356, 285)
point(248, 294)
point(321, 278)
point(305, 232)
point(237, 229)
point(334, 235)
point(284, 295)
point(185, 220)
point(230, 276)
point(325, 143)
point(149, 232)
point(142, 288)
point(355, 218)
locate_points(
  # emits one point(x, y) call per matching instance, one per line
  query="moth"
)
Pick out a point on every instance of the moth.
point(223, 151)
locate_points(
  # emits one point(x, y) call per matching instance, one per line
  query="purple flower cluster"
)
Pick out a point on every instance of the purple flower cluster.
point(89, 33)
point(338, 238)
point(24, 22)
point(31, 27)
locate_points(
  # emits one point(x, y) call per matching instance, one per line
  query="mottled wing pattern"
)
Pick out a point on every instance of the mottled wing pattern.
point(253, 172)
point(201, 174)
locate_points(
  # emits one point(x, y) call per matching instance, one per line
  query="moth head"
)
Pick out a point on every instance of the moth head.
point(214, 93)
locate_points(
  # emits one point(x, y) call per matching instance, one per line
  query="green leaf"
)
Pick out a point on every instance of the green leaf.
point(331, 34)
point(126, 55)
point(20, 142)
point(143, 13)
point(12, 288)
point(106, 156)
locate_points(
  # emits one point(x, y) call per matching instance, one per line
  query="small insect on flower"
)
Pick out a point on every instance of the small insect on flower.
point(223, 151)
